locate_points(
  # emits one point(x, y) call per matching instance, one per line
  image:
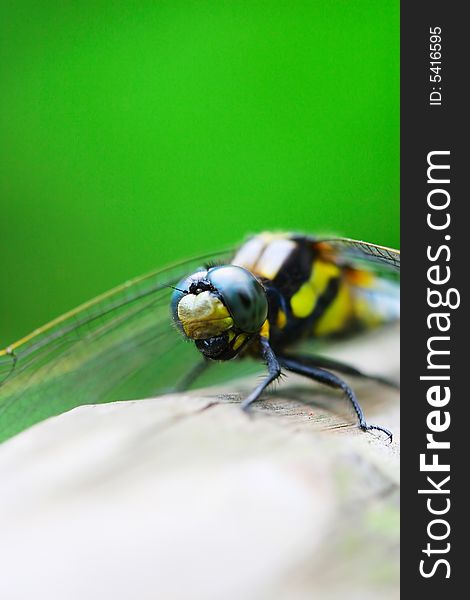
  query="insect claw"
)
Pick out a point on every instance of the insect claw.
point(366, 427)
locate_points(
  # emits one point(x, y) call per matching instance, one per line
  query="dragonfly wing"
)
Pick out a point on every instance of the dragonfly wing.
point(122, 345)
point(361, 253)
point(382, 300)
point(377, 299)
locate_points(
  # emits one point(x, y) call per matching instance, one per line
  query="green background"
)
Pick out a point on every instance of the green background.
point(136, 133)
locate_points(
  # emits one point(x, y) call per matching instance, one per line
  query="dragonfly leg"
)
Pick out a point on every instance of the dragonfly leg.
point(330, 363)
point(274, 371)
point(322, 376)
point(187, 380)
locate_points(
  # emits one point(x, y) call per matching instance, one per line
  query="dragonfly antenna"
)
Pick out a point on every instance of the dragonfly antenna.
point(177, 289)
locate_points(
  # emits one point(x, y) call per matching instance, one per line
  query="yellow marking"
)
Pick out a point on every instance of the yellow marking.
point(337, 314)
point(303, 302)
point(322, 273)
point(281, 319)
point(265, 329)
point(239, 341)
point(203, 315)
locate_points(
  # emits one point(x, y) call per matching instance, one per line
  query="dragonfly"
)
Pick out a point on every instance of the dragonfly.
point(161, 331)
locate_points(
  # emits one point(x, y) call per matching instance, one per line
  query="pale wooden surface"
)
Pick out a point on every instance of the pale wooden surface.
point(186, 497)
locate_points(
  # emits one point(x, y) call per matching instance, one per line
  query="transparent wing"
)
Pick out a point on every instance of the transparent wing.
point(361, 253)
point(121, 345)
point(383, 299)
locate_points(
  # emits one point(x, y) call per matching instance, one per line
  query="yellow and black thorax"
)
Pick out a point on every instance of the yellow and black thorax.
point(312, 291)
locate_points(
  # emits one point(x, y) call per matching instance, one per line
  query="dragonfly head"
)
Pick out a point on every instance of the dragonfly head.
point(220, 309)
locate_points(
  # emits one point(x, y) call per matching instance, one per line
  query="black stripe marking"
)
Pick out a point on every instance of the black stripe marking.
point(296, 270)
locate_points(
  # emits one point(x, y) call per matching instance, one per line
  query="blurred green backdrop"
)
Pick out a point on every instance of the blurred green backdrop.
point(136, 133)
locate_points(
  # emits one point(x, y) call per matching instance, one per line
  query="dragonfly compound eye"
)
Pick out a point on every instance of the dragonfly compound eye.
point(242, 294)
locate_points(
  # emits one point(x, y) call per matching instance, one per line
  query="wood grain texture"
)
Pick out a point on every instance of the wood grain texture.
point(186, 497)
